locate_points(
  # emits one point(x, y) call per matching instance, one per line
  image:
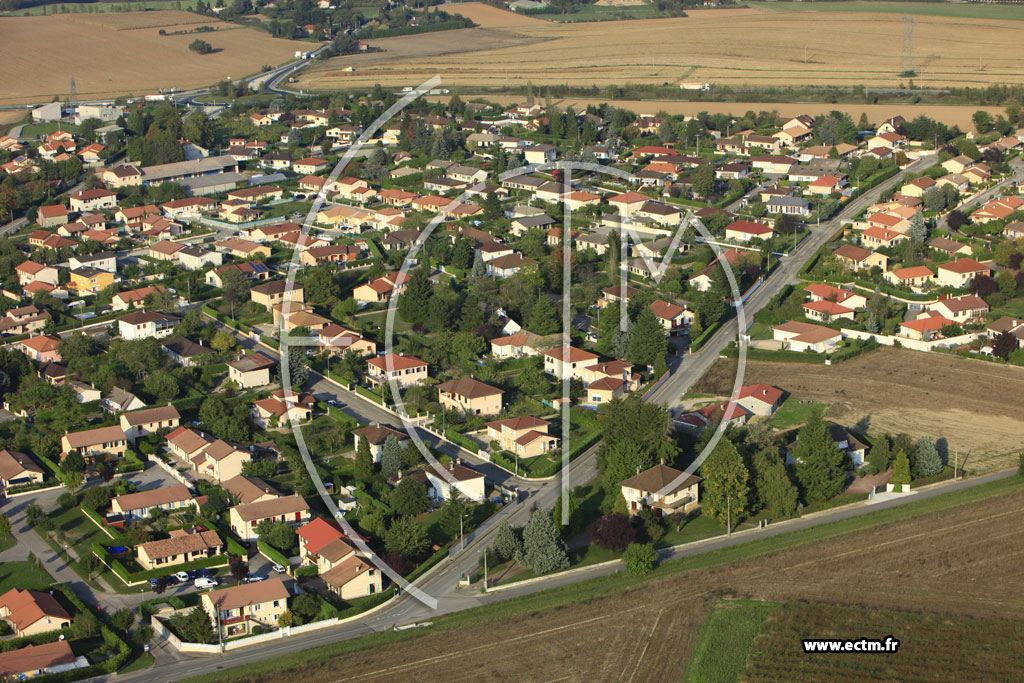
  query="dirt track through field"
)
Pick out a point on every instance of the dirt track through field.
point(954, 562)
point(977, 407)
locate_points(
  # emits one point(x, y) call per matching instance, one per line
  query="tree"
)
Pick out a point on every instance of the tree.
point(774, 489)
point(239, 570)
point(305, 607)
point(298, 365)
point(900, 470)
point(820, 465)
point(726, 484)
point(1003, 344)
point(956, 219)
point(452, 514)
point(878, 456)
point(96, 498)
point(927, 461)
point(543, 549)
point(235, 286)
point(918, 230)
point(85, 625)
point(463, 254)
point(479, 268)
point(415, 298)
point(703, 181)
point(407, 537)
point(409, 498)
point(282, 537)
point(161, 585)
point(543, 316)
point(223, 341)
point(122, 619)
point(575, 521)
point(982, 121)
point(508, 542)
point(391, 456)
point(161, 385)
point(200, 46)
point(640, 558)
point(363, 468)
point(198, 128)
point(286, 619)
point(634, 435)
point(647, 340)
point(612, 532)
point(90, 563)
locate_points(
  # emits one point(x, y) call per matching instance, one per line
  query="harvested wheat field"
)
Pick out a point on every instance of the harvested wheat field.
point(954, 564)
point(119, 54)
point(731, 47)
point(976, 406)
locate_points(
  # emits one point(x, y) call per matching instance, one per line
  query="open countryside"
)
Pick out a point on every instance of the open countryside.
point(729, 47)
point(127, 54)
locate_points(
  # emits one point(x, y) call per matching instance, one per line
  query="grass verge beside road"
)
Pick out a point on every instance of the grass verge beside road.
point(603, 586)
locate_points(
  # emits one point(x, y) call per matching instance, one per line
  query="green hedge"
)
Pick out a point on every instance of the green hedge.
point(461, 440)
point(363, 391)
point(130, 463)
point(114, 534)
point(411, 30)
point(61, 475)
point(704, 336)
point(776, 356)
point(148, 608)
point(272, 553)
point(370, 501)
point(308, 570)
point(110, 638)
point(422, 568)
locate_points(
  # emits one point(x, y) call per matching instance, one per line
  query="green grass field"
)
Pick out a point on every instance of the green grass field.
point(591, 12)
point(36, 129)
point(94, 7)
point(793, 412)
point(935, 9)
point(725, 639)
point(23, 575)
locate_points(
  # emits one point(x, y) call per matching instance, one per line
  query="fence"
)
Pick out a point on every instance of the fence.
point(169, 469)
point(916, 345)
point(656, 385)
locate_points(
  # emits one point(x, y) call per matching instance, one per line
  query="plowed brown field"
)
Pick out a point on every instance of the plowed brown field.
point(976, 406)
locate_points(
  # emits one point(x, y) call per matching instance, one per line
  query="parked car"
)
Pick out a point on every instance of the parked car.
point(204, 582)
point(253, 578)
point(279, 569)
point(203, 573)
point(183, 577)
point(172, 580)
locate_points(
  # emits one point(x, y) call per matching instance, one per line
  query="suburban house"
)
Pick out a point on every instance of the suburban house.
point(914, 277)
point(269, 294)
point(663, 489)
point(244, 518)
point(119, 400)
point(345, 571)
point(246, 489)
point(220, 460)
point(673, 317)
point(146, 324)
point(92, 442)
point(925, 328)
point(518, 345)
point(52, 216)
point(42, 349)
point(800, 336)
point(40, 660)
point(525, 436)
point(968, 308)
point(30, 271)
point(760, 399)
point(567, 362)
point(250, 371)
point(17, 468)
point(137, 505)
point(183, 351)
point(960, 272)
point(470, 396)
point(135, 298)
point(85, 281)
point(181, 547)
point(88, 201)
point(745, 231)
point(30, 612)
point(604, 390)
point(139, 423)
point(340, 340)
point(470, 484)
point(377, 291)
point(236, 610)
point(403, 369)
point(103, 260)
point(284, 406)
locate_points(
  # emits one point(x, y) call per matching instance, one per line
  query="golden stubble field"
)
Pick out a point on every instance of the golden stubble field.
point(117, 54)
point(731, 47)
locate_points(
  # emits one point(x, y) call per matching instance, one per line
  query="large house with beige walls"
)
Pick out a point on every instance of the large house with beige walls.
point(181, 547)
point(133, 506)
point(663, 489)
point(30, 612)
point(470, 396)
point(525, 436)
point(244, 518)
point(236, 610)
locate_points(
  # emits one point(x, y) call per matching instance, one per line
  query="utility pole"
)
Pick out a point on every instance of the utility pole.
point(728, 507)
point(485, 569)
point(956, 462)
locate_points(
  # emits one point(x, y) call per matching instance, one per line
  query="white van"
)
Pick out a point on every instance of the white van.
point(203, 582)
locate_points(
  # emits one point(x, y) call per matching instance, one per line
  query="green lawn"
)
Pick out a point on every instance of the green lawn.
point(23, 575)
point(109, 7)
point(285, 209)
point(937, 9)
point(7, 543)
point(697, 528)
point(793, 412)
point(37, 129)
point(725, 639)
point(592, 12)
point(1013, 308)
point(760, 331)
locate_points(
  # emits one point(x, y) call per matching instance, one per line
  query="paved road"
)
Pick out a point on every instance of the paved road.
point(14, 226)
point(692, 367)
point(1017, 167)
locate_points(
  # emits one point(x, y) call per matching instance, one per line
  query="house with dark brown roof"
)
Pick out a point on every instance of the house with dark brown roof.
point(663, 489)
point(180, 548)
point(470, 396)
